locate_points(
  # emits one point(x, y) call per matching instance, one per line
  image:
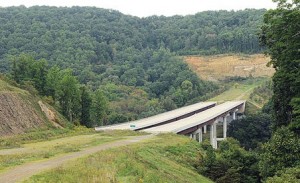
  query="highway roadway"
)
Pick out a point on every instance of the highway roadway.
point(160, 119)
point(197, 119)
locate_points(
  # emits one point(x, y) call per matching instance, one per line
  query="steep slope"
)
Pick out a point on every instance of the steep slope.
point(21, 112)
point(97, 38)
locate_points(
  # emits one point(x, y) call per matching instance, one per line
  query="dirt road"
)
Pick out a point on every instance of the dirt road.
point(27, 170)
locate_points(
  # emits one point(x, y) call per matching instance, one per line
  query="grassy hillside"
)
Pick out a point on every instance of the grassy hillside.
point(220, 67)
point(244, 77)
point(165, 158)
point(5, 87)
point(246, 90)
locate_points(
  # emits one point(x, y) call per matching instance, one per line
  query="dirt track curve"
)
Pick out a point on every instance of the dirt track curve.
point(22, 172)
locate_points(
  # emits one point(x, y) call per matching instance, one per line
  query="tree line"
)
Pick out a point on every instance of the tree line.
point(61, 87)
point(95, 39)
point(271, 137)
point(171, 85)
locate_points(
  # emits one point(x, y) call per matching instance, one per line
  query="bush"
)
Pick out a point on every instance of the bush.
point(289, 175)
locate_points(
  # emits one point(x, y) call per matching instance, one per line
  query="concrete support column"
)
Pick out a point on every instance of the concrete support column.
point(215, 135)
point(225, 127)
point(205, 128)
point(194, 136)
point(200, 135)
point(211, 131)
point(234, 114)
point(191, 136)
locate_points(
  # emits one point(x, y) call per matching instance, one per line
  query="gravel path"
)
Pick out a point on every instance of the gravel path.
point(22, 172)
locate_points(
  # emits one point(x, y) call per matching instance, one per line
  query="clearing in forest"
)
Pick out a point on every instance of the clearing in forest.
point(219, 67)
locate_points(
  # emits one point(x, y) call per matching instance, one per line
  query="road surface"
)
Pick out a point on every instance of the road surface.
point(196, 119)
point(160, 118)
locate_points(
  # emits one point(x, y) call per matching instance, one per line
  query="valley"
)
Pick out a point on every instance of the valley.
point(66, 70)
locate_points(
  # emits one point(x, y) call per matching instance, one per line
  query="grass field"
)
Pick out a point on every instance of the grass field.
point(219, 67)
point(243, 91)
point(38, 148)
point(165, 158)
point(240, 90)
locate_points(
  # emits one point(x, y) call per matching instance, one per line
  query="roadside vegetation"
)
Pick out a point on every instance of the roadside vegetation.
point(271, 135)
point(165, 158)
point(41, 134)
point(256, 91)
point(44, 144)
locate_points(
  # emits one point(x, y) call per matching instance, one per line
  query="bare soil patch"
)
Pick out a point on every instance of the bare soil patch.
point(17, 115)
point(219, 67)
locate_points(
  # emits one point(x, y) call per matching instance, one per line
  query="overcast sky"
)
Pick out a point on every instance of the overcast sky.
point(144, 8)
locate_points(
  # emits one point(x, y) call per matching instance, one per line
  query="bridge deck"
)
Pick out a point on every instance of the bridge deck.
point(160, 118)
point(197, 119)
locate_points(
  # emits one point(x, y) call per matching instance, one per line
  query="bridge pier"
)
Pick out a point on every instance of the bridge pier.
point(225, 126)
point(213, 135)
point(197, 131)
point(200, 135)
point(234, 114)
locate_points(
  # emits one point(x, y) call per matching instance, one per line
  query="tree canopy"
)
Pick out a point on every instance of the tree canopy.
point(280, 34)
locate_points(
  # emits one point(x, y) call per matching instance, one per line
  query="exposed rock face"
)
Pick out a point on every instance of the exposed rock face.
point(17, 115)
point(51, 116)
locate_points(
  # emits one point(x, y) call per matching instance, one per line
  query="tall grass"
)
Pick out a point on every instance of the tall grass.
point(166, 158)
point(38, 135)
point(56, 143)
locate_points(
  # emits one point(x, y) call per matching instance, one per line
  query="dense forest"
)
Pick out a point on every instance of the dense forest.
point(82, 36)
point(131, 61)
point(272, 136)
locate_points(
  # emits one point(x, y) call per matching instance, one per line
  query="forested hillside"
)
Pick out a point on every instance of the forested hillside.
point(83, 36)
point(131, 61)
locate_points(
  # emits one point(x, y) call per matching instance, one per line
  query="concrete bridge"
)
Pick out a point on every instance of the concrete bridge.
point(194, 120)
point(200, 123)
point(160, 119)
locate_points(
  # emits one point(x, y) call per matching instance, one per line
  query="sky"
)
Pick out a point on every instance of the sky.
point(143, 8)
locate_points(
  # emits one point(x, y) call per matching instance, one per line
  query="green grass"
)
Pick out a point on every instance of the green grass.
point(239, 90)
point(6, 87)
point(46, 144)
point(165, 158)
point(39, 135)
